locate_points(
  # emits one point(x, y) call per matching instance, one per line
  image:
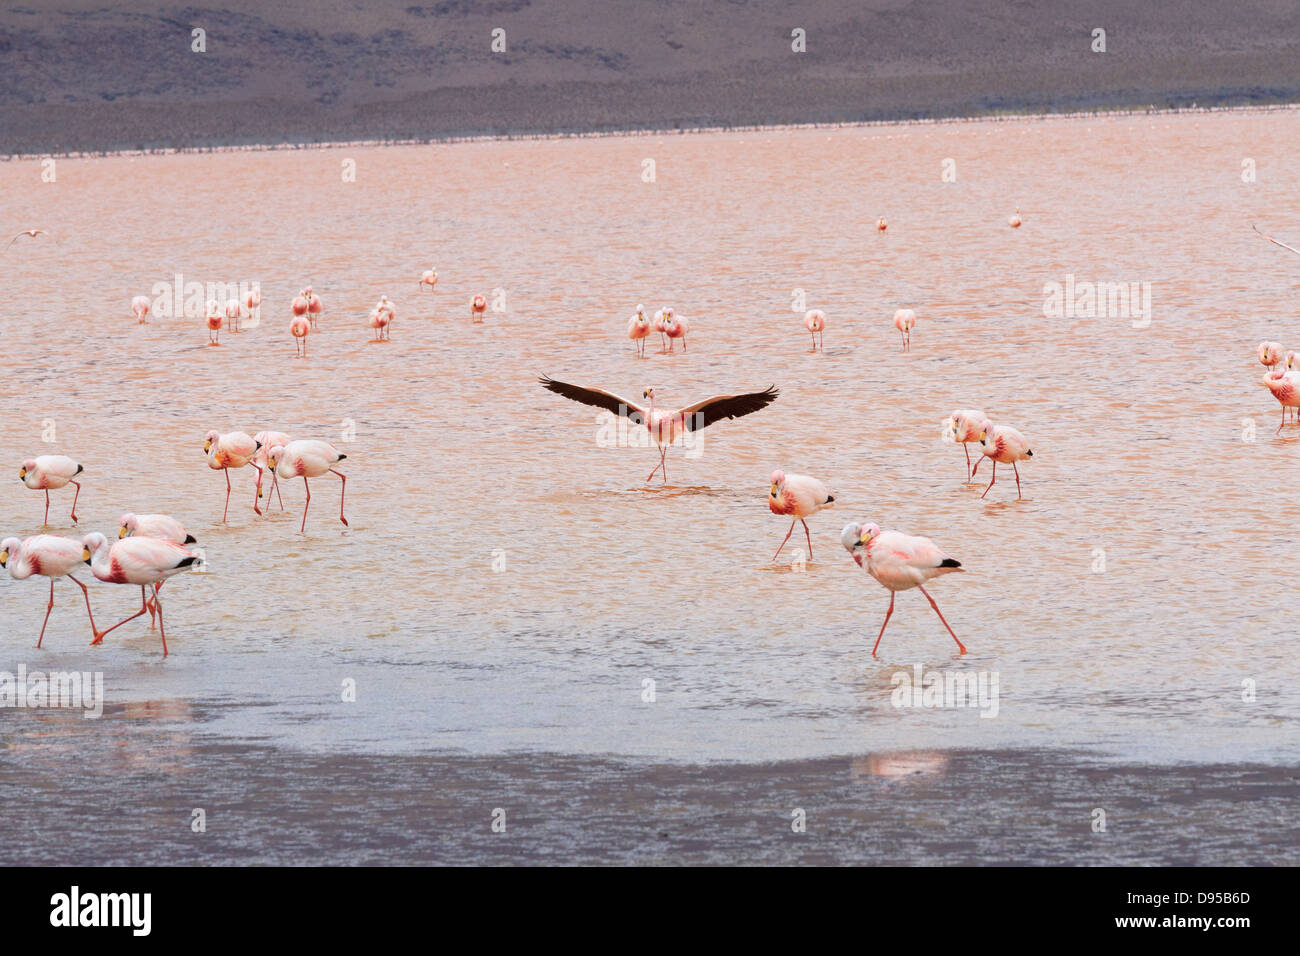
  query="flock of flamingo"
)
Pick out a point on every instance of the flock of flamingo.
point(151, 548)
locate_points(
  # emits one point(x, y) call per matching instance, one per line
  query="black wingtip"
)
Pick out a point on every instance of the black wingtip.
point(830, 498)
point(1029, 453)
point(341, 457)
point(190, 539)
point(950, 563)
point(79, 470)
point(186, 562)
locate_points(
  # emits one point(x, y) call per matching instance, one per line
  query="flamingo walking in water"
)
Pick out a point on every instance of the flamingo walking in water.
point(140, 306)
point(799, 496)
point(814, 320)
point(231, 450)
point(1285, 386)
point(675, 328)
point(1014, 219)
point(477, 306)
point(881, 224)
point(905, 321)
point(308, 458)
point(299, 328)
point(964, 426)
point(378, 323)
point(162, 527)
point(253, 303)
point(267, 440)
point(658, 325)
point(51, 471)
point(233, 314)
point(900, 562)
point(638, 327)
point(429, 277)
point(215, 320)
point(146, 562)
point(666, 426)
point(49, 556)
point(1003, 444)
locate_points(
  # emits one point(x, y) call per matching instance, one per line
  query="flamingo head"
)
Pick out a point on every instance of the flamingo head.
point(855, 538)
point(209, 440)
point(28, 465)
point(128, 525)
point(1270, 353)
point(648, 392)
point(778, 479)
point(1292, 360)
point(640, 310)
point(273, 456)
point(8, 549)
point(986, 428)
point(91, 545)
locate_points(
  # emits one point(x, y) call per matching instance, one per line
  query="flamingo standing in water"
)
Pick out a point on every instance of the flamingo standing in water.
point(429, 277)
point(253, 303)
point(215, 321)
point(1285, 386)
point(233, 314)
point(51, 471)
point(658, 325)
point(46, 555)
point(299, 328)
point(665, 426)
point(881, 224)
point(378, 323)
point(1014, 220)
point(267, 440)
point(905, 321)
point(313, 307)
point(675, 328)
point(300, 303)
point(231, 450)
point(146, 562)
point(900, 562)
point(477, 306)
point(964, 426)
point(814, 320)
point(638, 327)
point(1003, 444)
point(308, 458)
point(1270, 354)
point(162, 527)
point(140, 306)
point(800, 496)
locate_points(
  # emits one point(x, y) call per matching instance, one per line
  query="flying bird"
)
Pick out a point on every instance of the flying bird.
point(28, 232)
point(1275, 242)
point(666, 426)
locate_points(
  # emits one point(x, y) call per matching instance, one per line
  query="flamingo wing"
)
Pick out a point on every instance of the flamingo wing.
point(1275, 242)
point(715, 409)
point(597, 397)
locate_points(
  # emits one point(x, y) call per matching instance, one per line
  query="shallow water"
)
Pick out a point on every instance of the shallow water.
point(459, 456)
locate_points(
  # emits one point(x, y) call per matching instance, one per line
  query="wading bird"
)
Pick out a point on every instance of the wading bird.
point(313, 306)
point(308, 458)
point(253, 303)
point(675, 328)
point(1285, 386)
point(215, 321)
point(140, 306)
point(267, 440)
point(799, 496)
point(964, 426)
point(666, 426)
point(638, 327)
point(1270, 354)
point(51, 471)
point(162, 527)
point(1003, 444)
point(899, 562)
point(231, 450)
point(477, 306)
point(657, 323)
point(1014, 219)
point(814, 320)
point(233, 314)
point(881, 225)
point(146, 562)
point(429, 277)
point(905, 321)
point(299, 327)
point(49, 556)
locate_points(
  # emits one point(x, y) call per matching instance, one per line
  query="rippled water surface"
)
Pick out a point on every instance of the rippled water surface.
point(460, 458)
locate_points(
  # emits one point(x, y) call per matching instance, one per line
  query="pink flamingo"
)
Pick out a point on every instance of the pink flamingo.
point(905, 321)
point(881, 225)
point(233, 314)
point(215, 320)
point(267, 440)
point(477, 306)
point(46, 555)
point(253, 303)
point(140, 306)
point(1276, 242)
point(664, 426)
point(146, 562)
point(378, 323)
point(231, 450)
point(1285, 386)
point(1014, 220)
point(429, 277)
point(657, 323)
point(313, 306)
point(964, 426)
point(814, 320)
point(299, 327)
point(1003, 444)
point(675, 328)
point(1270, 354)
point(307, 458)
point(638, 327)
point(300, 304)
point(162, 527)
point(900, 562)
point(800, 496)
point(51, 471)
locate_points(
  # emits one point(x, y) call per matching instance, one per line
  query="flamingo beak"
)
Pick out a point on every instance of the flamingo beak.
point(207, 447)
point(85, 555)
point(122, 532)
point(4, 558)
point(22, 473)
point(773, 490)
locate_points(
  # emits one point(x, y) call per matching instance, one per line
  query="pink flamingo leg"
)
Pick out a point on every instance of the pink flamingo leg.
point(1278, 432)
point(226, 511)
point(74, 501)
point(48, 608)
point(257, 495)
point(47, 506)
point(86, 593)
point(275, 486)
point(970, 473)
point(144, 606)
point(1017, 471)
point(306, 506)
point(785, 539)
point(806, 535)
point(942, 618)
point(162, 631)
point(343, 490)
point(995, 477)
point(886, 624)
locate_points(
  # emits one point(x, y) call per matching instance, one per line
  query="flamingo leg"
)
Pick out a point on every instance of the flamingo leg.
point(47, 506)
point(784, 540)
point(258, 494)
point(306, 506)
point(886, 624)
point(74, 501)
point(995, 477)
point(942, 618)
point(806, 535)
point(969, 472)
point(343, 490)
point(1278, 432)
point(86, 593)
point(99, 635)
point(48, 608)
point(1017, 471)
point(162, 631)
point(275, 486)
point(226, 471)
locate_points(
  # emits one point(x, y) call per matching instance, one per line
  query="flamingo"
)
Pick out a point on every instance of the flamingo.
point(378, 323)
point(215, 322)
point(163, 527)
point(1285, 386)
point(664, 426)
point(814, 320)
point(308, 458)
point(313, 306)
point(658, 325)
point(638, 327)
point(298, 328)
point(1270, 354)
point(1003, 444)
point(428, 277)
point(905, 321)
point(300, 303)
point(33, 233)
point(253, 303)
point(233, 313)
point(231, 450)
point(51, 471)
point(267, 440)
point(140, 306)
point(964, 426)
point(881, 224)
point(146, 562)
point(47, 555)
point(1276, 242)
point(1014, 219)
point(477, 306)
point(800, 496)
point(899, 562)
point(675, 328)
